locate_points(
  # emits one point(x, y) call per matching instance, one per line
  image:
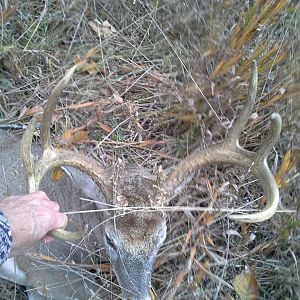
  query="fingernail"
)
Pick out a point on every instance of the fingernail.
point(65, 218)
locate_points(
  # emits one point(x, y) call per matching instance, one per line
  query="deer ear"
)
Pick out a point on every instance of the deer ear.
point(87, 185)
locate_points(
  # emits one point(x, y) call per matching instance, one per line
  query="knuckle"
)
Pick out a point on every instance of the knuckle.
point(61, 220)
point(55, 206)
point(42, 194)
point(65, 218)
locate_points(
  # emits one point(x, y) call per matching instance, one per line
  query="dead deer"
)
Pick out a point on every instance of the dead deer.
point(132, 238)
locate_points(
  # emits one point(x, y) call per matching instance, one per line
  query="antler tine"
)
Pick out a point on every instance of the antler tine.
point(229, 151)
point(239, 125)
point(26, 153)
point(50, 107)
point(264, 175)
point(51, 157)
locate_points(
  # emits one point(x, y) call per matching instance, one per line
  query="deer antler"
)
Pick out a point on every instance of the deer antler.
point(230, 151)
point(36, 169)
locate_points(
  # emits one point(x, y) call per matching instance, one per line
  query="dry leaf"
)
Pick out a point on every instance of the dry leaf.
point(103, 30)
point(90, 53)
point(84, 66)
point(289, 161)
point(57, 173)
point(208, 218)
point(117, 98)
point(201, 273)
point(91, 68)
point(23, 111)
point(245, 229)
point(73, 136)
point(6, 15)
point(105, 127)
point(208, 53)
point(210, 241)
point(12, 65)
point(245, 285)
point(224, 65)
point(33, 110)
point(181, 275)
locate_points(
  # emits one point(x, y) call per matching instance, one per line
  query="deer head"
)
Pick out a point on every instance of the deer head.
point(133, 238)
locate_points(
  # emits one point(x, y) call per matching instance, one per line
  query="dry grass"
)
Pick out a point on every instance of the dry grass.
point(171, 78)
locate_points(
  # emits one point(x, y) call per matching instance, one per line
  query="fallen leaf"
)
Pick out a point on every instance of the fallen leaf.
point(201, 273)
point(210, 241)
point(289, 161)
point(208, 53)
point(104, 29)
point(245, 285)
point(33, 110)
point(7, 15)
point(88, 67)
point(90, 53)
point(73, 136)
point(57, 173)
point(208, 218)
point(105, 127)
point(182, 274)
point(225, 65)
point(23, 111)
point(117, 98)
point(245, 229)
point(91, 68)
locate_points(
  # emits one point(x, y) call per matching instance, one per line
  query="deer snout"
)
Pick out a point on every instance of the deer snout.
point(134, 277)
point(133, 270)
point(132, 245)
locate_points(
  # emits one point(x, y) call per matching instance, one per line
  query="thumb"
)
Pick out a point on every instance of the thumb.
point(60, 221)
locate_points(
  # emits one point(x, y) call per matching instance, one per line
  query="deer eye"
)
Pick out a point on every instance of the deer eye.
point(111, 243)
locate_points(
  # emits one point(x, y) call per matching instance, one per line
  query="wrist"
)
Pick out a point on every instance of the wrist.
point(5, 238)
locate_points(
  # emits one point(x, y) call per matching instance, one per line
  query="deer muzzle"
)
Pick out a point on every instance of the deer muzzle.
point(134, 277)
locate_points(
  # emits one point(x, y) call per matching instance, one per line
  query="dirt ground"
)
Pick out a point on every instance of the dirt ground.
point(162, 78)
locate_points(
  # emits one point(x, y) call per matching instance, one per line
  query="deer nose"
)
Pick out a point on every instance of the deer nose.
point(139, 297)
point(137, 293)
point(134, 277)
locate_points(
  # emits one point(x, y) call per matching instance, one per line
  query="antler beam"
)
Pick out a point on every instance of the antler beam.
point(230, 152)
point(36, 169)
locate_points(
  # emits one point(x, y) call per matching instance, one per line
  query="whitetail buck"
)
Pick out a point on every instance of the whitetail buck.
point(131, 239)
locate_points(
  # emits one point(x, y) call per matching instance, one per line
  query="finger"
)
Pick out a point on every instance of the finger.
point(41, 198)
point(47, 239)
point(54, 206)
point(40, 195)
point(60, 221)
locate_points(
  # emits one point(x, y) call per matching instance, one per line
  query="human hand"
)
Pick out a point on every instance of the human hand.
point(31, 217)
